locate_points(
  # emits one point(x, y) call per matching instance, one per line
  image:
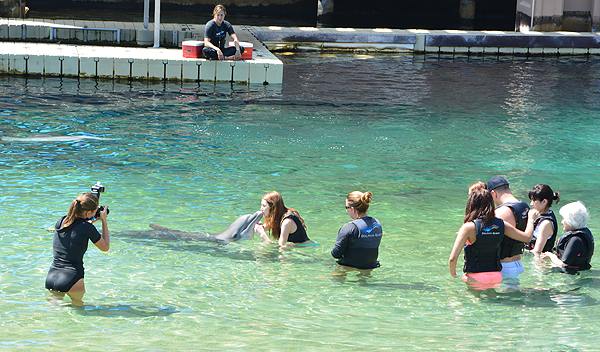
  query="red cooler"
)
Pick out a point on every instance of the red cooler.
point(192, 48)
point(248, 49)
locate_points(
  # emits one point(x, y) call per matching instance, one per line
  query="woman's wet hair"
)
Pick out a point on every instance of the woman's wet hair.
point(219, 8)
point(277, 210)
point(480, 206)
point(359, 201)
point(541, 192)
point(575, 214)
point(477, 186)
point(82, 204)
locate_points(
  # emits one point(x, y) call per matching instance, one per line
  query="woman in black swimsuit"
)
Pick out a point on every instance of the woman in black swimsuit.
point(71, 235)
point(284, 224)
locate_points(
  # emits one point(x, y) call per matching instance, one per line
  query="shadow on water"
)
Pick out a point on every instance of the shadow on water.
point(208, 246)
point(124, 311)
point(363, 278)
point(569, 297)
point(538, 298)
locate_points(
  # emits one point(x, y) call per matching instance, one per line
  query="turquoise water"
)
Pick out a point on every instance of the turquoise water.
point(415, 131)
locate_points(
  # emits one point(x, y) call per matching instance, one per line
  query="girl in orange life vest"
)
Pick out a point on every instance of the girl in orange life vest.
point(480, 211)
point(284, 224)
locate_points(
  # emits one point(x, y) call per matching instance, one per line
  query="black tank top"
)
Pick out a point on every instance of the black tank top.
point(300, 234)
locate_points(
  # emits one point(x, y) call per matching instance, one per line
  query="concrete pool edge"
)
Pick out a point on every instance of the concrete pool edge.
point(100, 49)
point(432, 41)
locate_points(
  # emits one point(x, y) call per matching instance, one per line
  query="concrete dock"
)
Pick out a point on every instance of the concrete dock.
point(430, 41)
point(111, 50)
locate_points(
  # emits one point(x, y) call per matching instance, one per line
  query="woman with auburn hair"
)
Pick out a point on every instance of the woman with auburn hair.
point(284, 224)
point(545, 226)
point(357, 243)
point(71, 235)
point(477, 186)
point(482, 233)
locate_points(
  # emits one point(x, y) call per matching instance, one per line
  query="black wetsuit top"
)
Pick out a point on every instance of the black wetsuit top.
point(576, 248)
point(69, 246)
point(299, 235)
point(217, 34)
point(550, 241)
point(511, 247)
point(484, 254)
point(358, 242)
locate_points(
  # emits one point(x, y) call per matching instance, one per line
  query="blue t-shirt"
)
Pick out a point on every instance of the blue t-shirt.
point(217, 34)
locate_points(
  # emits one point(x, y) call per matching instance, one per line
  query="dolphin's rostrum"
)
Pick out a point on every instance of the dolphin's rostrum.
point(241, 228)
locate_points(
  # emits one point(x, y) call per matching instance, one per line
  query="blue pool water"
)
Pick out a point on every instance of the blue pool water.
point(415, 131)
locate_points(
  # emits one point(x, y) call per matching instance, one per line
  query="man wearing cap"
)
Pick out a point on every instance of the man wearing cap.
point(513, 211)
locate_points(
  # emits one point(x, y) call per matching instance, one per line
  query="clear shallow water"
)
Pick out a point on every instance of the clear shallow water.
point(414, 131)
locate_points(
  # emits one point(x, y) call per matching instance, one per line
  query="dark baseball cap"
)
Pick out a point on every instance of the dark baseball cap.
point(496, 182)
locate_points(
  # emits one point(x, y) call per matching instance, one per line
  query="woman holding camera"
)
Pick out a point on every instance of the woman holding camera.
point(71, 235)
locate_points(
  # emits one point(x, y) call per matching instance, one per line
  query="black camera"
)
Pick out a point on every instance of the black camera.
point(97, 189)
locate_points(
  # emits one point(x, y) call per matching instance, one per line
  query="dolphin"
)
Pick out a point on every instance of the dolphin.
point(241, 228)
point(52, 139)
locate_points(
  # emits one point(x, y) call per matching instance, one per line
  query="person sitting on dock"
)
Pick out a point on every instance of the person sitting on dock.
point(215, 32)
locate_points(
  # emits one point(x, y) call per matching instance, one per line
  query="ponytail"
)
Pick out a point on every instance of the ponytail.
point(82, 204)
point(556, 197)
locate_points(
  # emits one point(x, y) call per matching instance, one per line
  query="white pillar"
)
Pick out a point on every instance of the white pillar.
point(146, 13)
point(466, 11)
point(324, 9)
point(595, 12)
point(156, 23)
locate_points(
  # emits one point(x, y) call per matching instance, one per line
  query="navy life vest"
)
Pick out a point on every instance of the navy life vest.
point(370, 232)
point(550, 241)
point(583, 260)
point(484, 254)
point(511, 247)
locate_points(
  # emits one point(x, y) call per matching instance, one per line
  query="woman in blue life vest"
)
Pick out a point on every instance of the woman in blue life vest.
point(357, 243)
point(575, 248)
point(481, 235)
point(545, 226)
point(284, 224)
point(215, 33)
point(71, 235)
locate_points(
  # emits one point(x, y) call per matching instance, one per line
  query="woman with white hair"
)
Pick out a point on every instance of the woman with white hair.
point(575, 248)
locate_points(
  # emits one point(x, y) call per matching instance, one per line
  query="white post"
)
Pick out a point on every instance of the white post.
point(532, 14)
point(156, 23)
point(146, 13)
